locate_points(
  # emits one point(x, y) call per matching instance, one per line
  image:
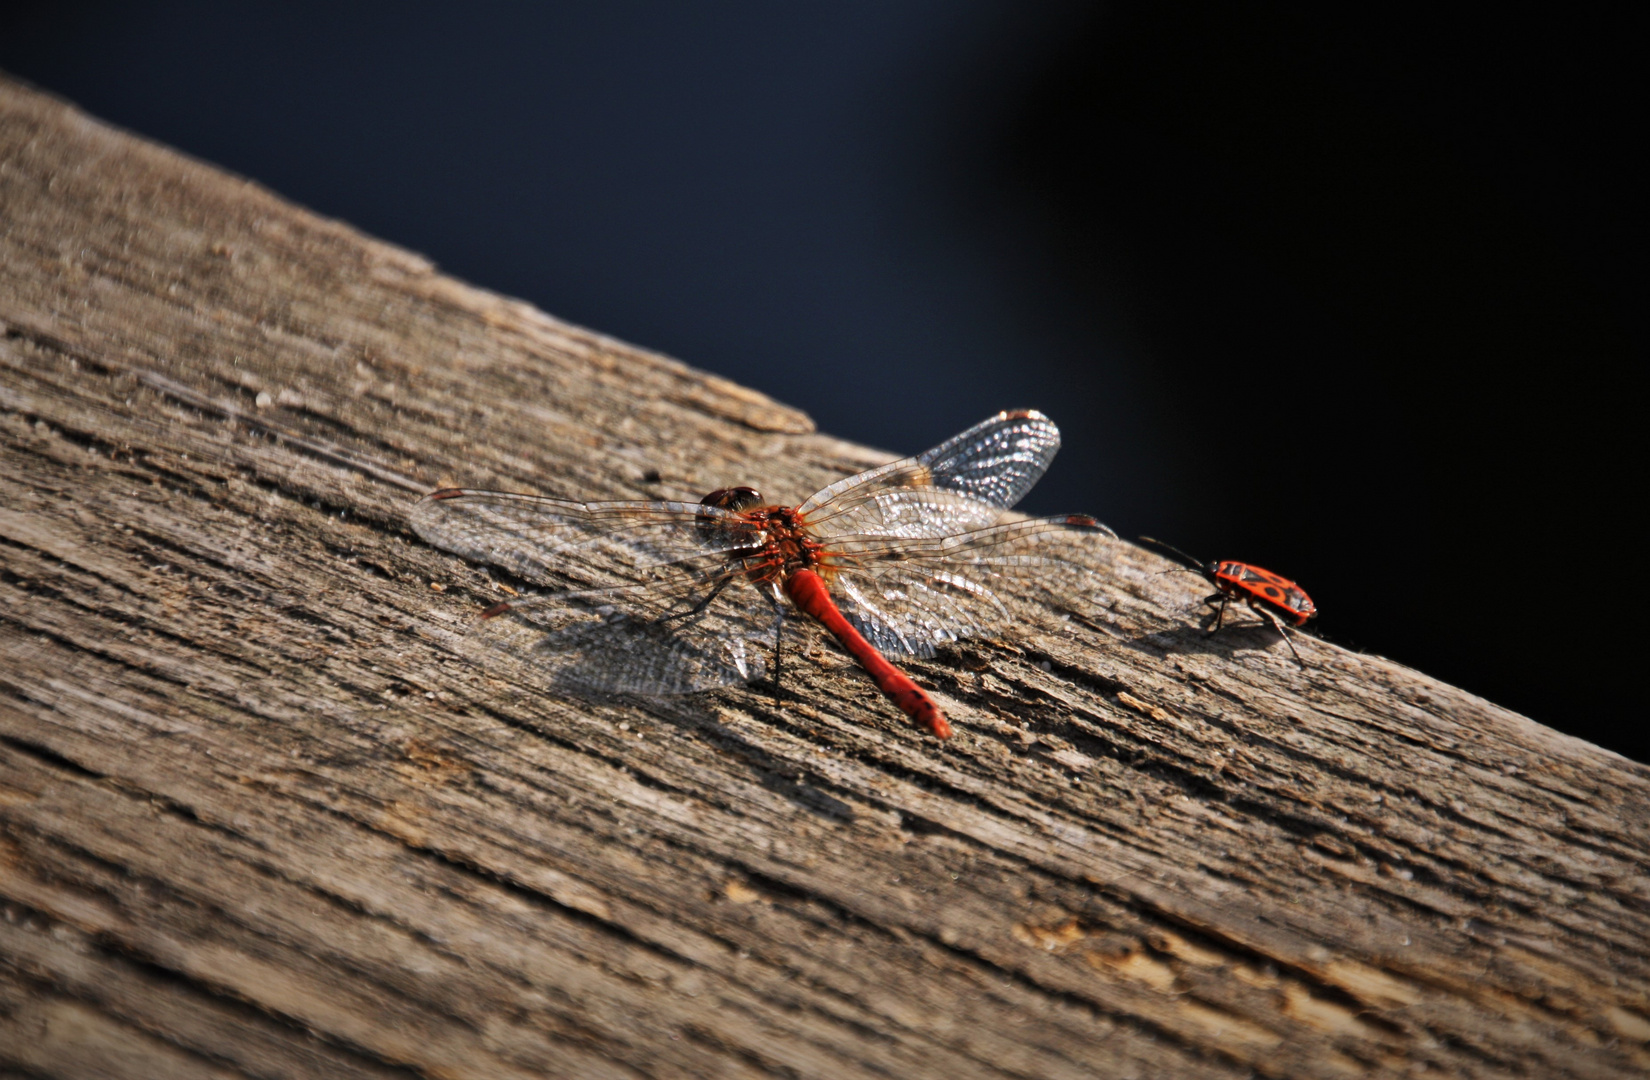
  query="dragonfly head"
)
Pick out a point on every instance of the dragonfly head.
point(733, 498)
point(722, 533)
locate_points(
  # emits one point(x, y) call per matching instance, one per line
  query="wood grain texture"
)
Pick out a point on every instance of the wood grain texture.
point(260, 817)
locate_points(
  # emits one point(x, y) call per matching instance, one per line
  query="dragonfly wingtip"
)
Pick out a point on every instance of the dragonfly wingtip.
point(1083, 521)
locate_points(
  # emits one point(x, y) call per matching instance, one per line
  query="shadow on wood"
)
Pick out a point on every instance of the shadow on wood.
point(259, 816)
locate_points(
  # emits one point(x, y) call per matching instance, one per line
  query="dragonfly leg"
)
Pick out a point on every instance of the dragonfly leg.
point(778, 644)
point(1283, 632)
point(701, 605)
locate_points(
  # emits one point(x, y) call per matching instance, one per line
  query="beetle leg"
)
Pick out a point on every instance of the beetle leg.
point(1220, 613)
point(1283, 632)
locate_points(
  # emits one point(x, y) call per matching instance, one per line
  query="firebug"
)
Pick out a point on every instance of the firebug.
point(1270, 595)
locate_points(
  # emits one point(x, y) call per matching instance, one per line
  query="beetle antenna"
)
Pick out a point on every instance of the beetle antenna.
point(1196, 566)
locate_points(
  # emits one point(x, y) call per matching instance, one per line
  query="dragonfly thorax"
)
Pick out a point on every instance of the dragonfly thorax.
point(782, 544)
point(772, 540)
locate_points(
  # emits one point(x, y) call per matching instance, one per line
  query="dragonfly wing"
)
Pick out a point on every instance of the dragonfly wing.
point(992, 464)
point(904, 513)
point(614, 641)
point(555, 542)
point(997, 460)
point(660, 605)
point(910, 596)
point(910, 610)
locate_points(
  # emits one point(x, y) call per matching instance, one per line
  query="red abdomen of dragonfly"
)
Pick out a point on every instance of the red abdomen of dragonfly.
point(778, 550)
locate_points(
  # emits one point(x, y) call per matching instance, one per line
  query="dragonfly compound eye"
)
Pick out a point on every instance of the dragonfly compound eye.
point(733, 498)
point(722, 532)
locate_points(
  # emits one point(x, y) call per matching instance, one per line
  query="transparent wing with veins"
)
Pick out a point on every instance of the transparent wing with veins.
point(553, 542)
point(608, 640)
point(955, 487)
point(926, 552)
point(909, 596)
point(653, 598)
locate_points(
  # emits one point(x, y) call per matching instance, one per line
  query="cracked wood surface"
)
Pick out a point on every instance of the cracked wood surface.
point(259, 816)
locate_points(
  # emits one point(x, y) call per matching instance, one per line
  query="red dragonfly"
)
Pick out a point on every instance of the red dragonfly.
point(675, 597)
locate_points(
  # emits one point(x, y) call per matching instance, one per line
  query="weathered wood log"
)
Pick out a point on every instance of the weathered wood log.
point(259, 816)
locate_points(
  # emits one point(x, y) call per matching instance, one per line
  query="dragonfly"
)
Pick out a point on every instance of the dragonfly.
point(659, 597)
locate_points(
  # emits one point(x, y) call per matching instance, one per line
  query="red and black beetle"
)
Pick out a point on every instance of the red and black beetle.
point(1271, 595)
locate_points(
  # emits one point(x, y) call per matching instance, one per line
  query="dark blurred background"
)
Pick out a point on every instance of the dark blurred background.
point(1349, 292)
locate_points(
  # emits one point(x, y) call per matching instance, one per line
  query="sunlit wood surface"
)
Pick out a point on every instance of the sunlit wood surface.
point(259, 815)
